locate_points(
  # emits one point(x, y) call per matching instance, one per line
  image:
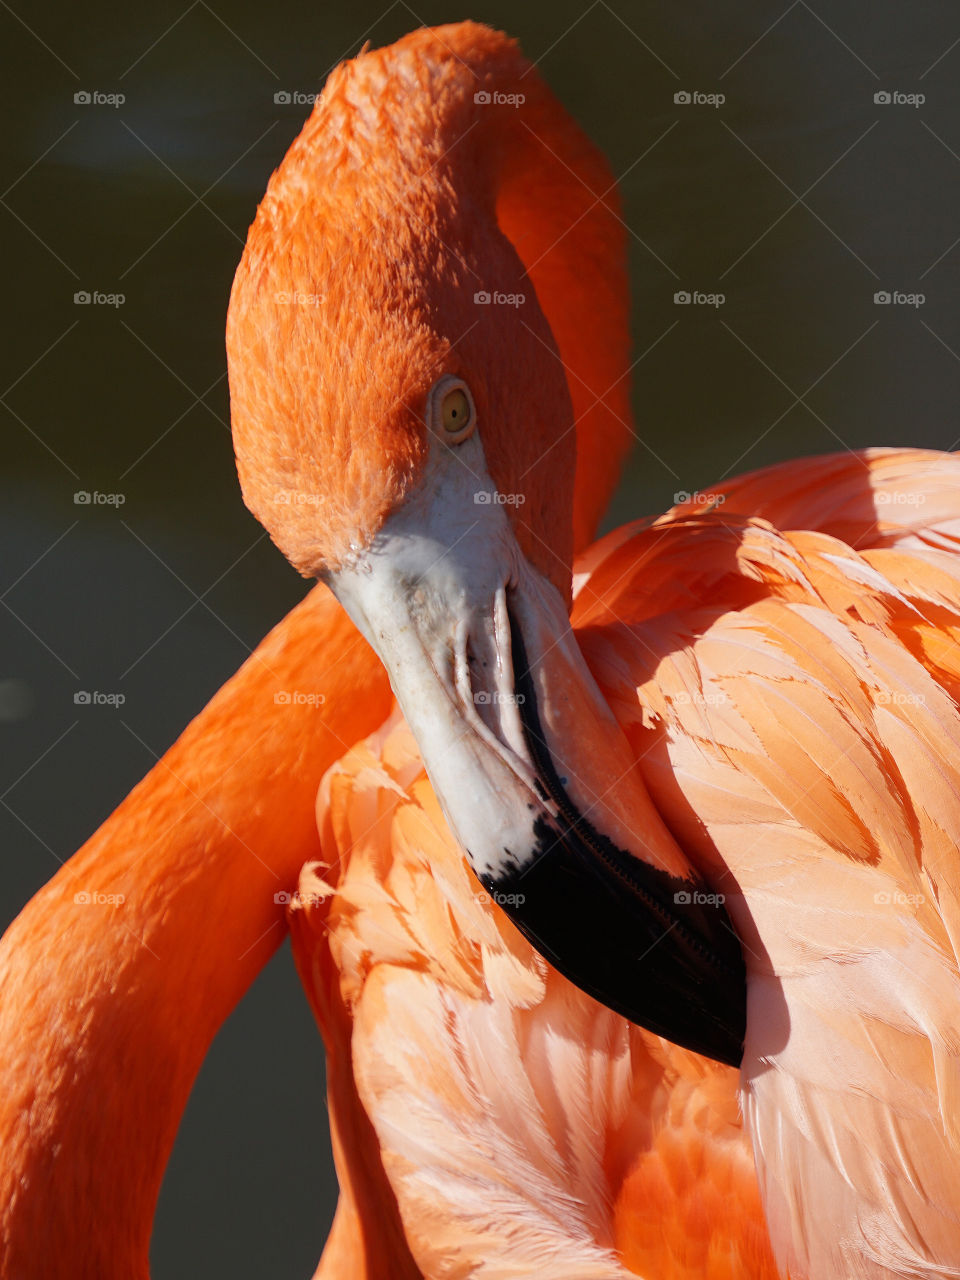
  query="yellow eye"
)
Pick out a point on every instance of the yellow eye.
point(452, 414)
point(455, 410)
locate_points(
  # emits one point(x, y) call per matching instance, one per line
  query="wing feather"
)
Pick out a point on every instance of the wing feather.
point(791, 697)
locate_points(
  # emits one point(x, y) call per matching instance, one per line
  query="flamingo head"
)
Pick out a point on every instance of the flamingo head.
point(377, 300)
point(404, 428)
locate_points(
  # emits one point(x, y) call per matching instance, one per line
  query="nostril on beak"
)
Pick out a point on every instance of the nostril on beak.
point(484, 676)
point(484, 684)
point(477, 671)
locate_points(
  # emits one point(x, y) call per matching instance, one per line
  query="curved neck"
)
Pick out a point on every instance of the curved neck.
point(559, 206)
point(107, 1008)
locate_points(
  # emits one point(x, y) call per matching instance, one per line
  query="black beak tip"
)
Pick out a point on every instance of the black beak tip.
point(656, 949)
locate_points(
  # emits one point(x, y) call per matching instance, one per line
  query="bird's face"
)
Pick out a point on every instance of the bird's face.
point(479, 649)
point(345, 353)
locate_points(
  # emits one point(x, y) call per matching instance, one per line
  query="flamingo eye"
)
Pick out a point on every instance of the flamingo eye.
point(452, 410)
point(455, 410)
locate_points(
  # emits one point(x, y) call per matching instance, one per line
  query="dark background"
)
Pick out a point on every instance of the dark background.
point(798, 199)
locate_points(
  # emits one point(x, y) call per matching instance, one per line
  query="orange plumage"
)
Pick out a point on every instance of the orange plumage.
point(487, 1116)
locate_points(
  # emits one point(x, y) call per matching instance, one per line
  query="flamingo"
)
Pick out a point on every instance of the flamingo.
point(711, 813)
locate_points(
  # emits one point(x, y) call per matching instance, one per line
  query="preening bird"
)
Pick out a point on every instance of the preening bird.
point(686, 841)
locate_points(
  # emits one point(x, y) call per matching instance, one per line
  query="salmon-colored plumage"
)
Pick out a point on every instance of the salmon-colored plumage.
point(782, 671)
point(521, 1128)
point(792, 701)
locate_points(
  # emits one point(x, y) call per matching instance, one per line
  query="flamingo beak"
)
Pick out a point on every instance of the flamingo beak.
point(533, 773)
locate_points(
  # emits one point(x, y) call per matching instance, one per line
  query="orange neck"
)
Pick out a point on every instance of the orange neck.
point(559, 206)
point(107, 1010)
